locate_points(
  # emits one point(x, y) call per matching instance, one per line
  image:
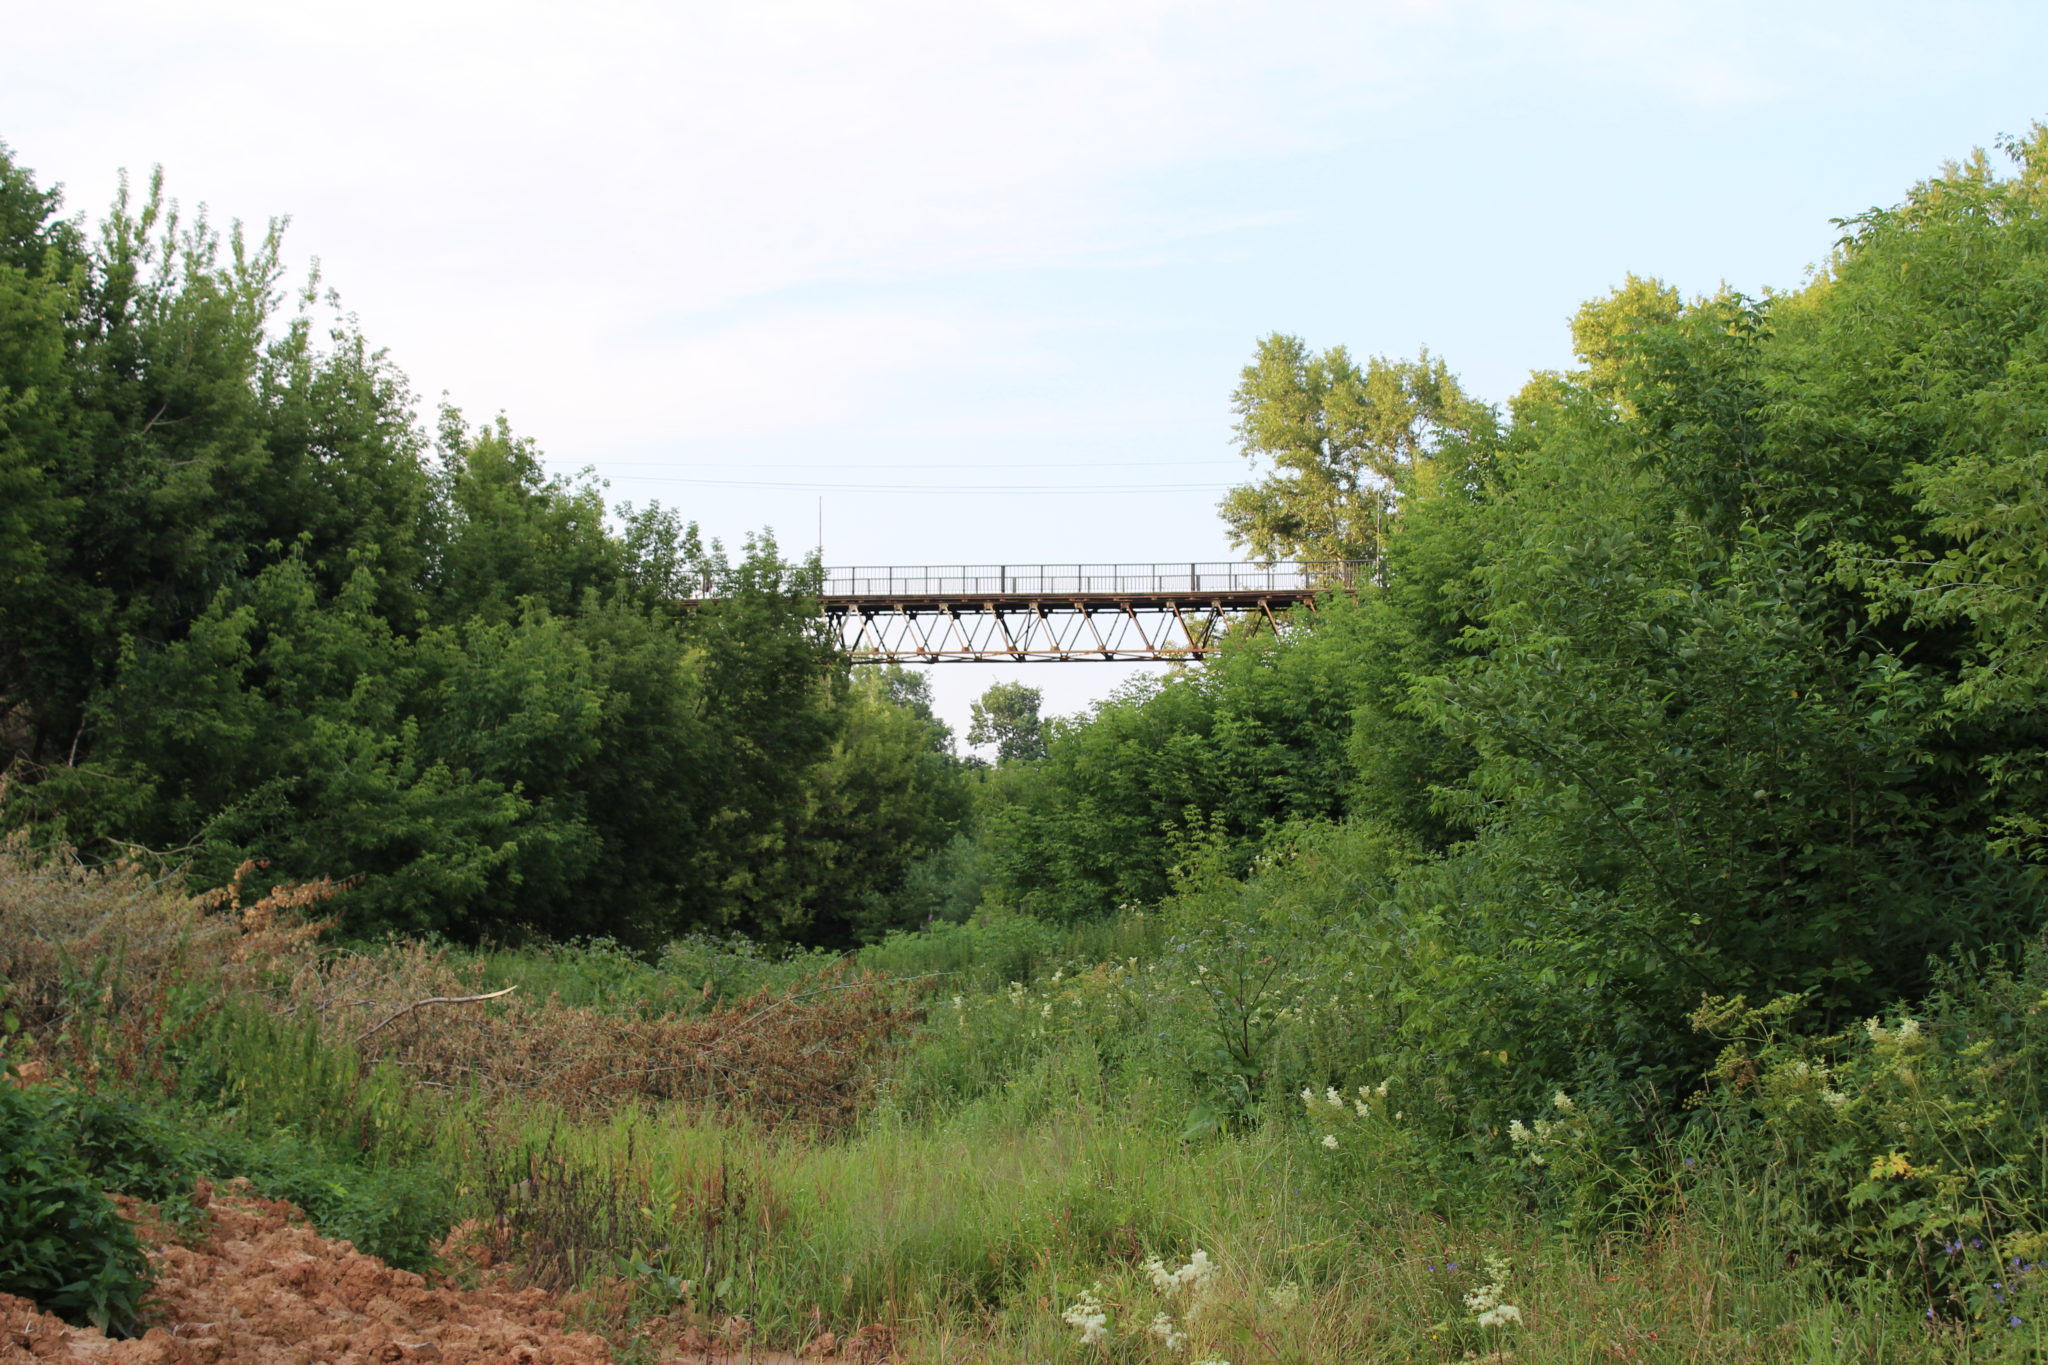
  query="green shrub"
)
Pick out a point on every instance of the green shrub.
point(396, 1212)
point(1907, 1146)
point(62, 1242)
point(990, 951)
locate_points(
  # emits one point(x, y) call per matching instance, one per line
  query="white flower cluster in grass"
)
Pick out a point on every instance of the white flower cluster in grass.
point(1486, 1303)
point(1544, 1132)
point(1169, 1336)
point(1194, 1280)
point(1804, 1075)
point(1335, 1099)
point(1191, 1284)
point(1089, 1317)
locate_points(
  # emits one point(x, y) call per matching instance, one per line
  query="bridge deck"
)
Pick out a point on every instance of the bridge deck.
point(1030, 613)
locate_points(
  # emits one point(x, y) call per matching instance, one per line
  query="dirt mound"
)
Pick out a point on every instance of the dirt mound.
point(263, 1288)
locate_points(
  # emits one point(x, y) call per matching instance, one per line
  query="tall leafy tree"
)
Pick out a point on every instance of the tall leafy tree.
point(1006, 716)
point(1343, 442)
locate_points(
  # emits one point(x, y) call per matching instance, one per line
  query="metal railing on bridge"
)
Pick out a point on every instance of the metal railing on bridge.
point(968, 582)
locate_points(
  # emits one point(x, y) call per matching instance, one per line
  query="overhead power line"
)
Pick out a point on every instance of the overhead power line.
point(953, 466)
point(951, 489)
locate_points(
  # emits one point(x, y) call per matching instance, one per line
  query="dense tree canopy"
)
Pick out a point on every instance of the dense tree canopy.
point(255, 611)
point(1716, 668)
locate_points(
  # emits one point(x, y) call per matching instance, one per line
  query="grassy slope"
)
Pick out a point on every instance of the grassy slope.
point(1029, 1144)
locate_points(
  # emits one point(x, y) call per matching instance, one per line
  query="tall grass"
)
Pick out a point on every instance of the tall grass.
point(1059, 1121)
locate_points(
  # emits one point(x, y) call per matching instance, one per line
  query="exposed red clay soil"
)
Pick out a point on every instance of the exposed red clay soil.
point(260, 1287)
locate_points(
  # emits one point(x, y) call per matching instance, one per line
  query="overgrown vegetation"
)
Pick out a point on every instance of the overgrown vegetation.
point(256, 609)
point(1616, 929)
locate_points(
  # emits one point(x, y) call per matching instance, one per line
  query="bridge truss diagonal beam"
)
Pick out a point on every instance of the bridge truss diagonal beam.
point(1036, 632)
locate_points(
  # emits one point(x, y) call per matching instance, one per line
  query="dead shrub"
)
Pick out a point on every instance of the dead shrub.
point(806, 1055)
point(96, 958)
point(93, 956)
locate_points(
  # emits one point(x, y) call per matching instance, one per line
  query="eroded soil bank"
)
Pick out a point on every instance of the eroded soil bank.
point(257, 1286)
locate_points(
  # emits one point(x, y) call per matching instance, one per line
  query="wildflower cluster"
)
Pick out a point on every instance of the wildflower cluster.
point(1906, 1135)
point(1189, 1287)
point(1488, 1302)
point(1194, 1280)
point(1337, 1109)
point(1543, 1134)
point(1087, 1315)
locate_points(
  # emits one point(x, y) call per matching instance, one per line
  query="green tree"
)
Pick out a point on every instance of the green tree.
point(41, 265)
point(1344, 442)
point(888, 793)
point(506, 530)
point(1007, 716)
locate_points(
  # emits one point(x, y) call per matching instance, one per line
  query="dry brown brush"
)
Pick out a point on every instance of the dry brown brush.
point(93, 957)
point(96, 958)
point(807, 1054)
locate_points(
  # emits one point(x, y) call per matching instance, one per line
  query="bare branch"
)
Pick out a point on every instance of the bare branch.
point(396, 1015)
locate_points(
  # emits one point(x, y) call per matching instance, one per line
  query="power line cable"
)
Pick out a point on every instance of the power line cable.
point(949, 489)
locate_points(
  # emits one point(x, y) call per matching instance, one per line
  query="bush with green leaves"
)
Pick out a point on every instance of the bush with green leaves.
point(63, 1244)
point(1907, 1144)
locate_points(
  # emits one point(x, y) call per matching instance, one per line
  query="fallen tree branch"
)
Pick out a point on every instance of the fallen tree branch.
point(396, 1015)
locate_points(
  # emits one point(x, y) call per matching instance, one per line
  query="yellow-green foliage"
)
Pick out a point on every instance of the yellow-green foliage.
point(1909, 1144)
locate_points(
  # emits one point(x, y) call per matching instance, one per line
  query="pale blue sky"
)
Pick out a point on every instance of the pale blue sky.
point(952, 244)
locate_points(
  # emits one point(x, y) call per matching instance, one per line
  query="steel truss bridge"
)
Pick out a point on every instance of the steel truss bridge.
point(1064, 613)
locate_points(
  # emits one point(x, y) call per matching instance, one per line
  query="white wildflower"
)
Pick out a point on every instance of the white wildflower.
point(1834, 1099)
point(1169, 1336)
point(1363, 1112)
point(1191, 1279)
point(1285, 1297)
point(1057, 975)
point(1089, 1317)
point(1308, 1096)
point(1876, 1029)
point(1381, 1088)
point(1909, 1030)
point(1563, 1102)
point(1046, 1013)
point(1330, 1141)
point(1486, 1302)
point(1332, 1098)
